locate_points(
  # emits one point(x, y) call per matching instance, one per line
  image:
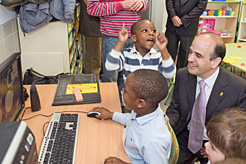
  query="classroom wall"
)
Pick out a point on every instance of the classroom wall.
point(9, 38)
point(159, 14)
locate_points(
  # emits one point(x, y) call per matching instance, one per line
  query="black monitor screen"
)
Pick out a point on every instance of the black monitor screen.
point(11, 88)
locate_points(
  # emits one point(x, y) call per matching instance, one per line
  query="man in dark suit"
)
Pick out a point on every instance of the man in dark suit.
point(182, 25)
point(223, 90)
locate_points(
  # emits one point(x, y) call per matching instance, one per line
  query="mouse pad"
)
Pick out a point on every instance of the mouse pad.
point(88, 85)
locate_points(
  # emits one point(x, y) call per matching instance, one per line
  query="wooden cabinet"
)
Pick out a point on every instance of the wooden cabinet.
point(228, 23)
point(242, 24)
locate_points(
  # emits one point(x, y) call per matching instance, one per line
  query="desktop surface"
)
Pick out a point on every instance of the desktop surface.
point(236, 51)
point(97, 139)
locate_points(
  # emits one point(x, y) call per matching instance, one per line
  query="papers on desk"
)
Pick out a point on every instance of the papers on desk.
point(232, 59)
point(84, 88)
point(85, 84)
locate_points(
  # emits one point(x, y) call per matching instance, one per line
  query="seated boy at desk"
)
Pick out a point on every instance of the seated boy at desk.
point(146, 136)
point(142, 54)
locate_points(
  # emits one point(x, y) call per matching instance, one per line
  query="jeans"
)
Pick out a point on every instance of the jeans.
point(108, 43)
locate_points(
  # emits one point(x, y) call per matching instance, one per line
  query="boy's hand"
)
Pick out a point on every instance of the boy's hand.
point(105, 113)
point(166, 118)
point(114, 160)
point(161, 41)
point(123, 34)
point(204, 153)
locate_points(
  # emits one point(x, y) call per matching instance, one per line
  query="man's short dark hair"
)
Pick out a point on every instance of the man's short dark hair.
point(150, 85)
point(220, 49)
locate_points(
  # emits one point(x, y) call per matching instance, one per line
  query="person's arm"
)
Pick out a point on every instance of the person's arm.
point(194, 13)
point(97, 8)
point(167, 68)
point(172, 14)
point(161, 43)
point(122, 36)
point(121, 118)
point(105, 113)
point(115, 59)
point(140, 5)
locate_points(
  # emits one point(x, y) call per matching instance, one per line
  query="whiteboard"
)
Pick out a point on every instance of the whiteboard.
point(6, 14)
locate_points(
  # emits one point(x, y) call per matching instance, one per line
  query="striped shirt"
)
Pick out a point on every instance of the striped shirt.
point(130, 60)
point(112, 15)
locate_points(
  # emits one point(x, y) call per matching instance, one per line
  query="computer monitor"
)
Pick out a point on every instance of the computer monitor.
point(11, 88)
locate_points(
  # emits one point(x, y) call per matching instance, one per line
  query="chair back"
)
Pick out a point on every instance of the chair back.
point(174, 154)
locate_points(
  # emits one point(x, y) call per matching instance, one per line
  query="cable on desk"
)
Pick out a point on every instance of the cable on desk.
point(48, 115)
point(38, 115)
point(23, 113)
point(44, 127)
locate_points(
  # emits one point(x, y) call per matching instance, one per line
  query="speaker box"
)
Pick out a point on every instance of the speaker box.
point(35, 102)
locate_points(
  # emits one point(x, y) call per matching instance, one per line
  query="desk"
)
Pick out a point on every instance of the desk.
point(233, 50)
point(97, 139)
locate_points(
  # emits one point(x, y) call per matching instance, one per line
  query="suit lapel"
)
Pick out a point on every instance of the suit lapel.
point(218, 93)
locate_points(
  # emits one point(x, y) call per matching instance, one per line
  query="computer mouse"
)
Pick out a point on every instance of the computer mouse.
point(93, 114)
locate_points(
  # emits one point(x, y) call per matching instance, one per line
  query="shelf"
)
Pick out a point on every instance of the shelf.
point(218, 17)
point(227, 36)
point(242, 40)
point(228, 23)
point(229, 2)
point(242, 24)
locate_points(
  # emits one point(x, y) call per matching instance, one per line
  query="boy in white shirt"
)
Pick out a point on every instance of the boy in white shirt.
point(146, 136)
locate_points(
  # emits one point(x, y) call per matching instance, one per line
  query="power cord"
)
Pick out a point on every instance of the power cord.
point(36, 116)
point(20, 119)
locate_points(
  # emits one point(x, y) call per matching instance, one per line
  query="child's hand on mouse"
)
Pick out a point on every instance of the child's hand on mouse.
point(105, 113)
point(123, 34)
point(114, 160)
point(161, 41)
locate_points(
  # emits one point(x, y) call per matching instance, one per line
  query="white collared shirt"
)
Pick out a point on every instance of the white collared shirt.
point(208, 89)
point(147, 138)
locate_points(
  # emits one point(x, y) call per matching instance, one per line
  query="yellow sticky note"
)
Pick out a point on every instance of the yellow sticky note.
point(84, 88)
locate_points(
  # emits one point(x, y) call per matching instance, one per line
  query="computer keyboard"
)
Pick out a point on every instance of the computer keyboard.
point(60, 140)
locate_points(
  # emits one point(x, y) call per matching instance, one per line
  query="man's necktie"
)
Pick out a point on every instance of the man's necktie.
point(197, 122)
